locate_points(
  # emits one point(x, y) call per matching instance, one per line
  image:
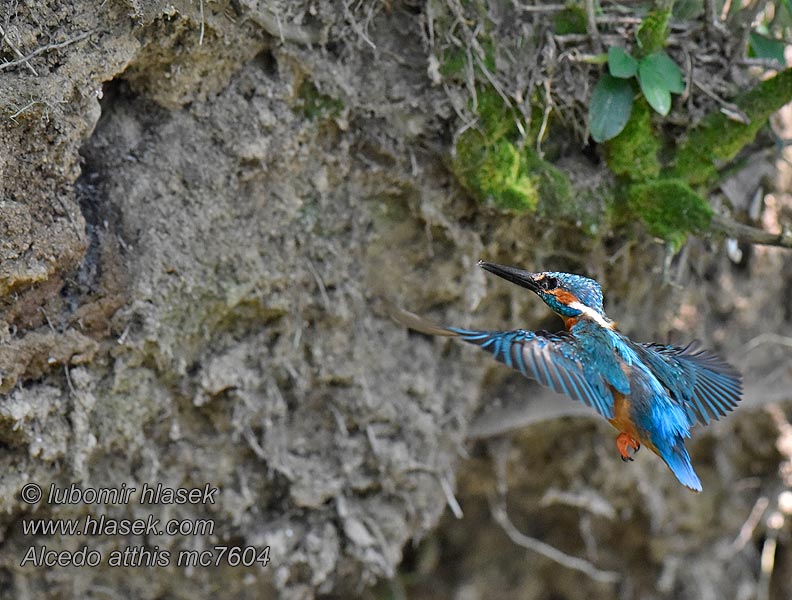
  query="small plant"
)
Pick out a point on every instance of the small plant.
point(762, 45)
point(611, 103)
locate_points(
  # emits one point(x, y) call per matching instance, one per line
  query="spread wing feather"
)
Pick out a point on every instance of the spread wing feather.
point(707, 385)
point(552, 359)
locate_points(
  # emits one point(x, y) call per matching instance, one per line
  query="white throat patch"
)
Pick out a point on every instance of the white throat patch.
point(591, 314)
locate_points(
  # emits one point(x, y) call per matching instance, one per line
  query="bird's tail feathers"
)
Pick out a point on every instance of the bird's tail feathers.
point(678, 460)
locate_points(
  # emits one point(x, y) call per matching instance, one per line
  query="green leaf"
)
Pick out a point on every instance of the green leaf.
point(687, 10)
point(657, 97)
point(660, 77)
point(610, 107)
point(765, 47)
point(620, 63)
point(663, 72)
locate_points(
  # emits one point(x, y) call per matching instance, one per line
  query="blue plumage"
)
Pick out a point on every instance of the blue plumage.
point(553, 359)
point(653, 394)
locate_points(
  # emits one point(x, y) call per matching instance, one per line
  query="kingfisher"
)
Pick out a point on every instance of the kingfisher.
point(653, 394)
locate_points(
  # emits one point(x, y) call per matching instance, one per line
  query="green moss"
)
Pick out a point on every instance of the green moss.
point(314, 105)
point(454, 60)
point(651, 35)
point(570, 20)
point(503, 175)
point(488, 45)
point(669, 209)
point(554, 186)
point(495, 118)
point(718, 139)
point(491, 165)
point(495, 172)
point(633, 153)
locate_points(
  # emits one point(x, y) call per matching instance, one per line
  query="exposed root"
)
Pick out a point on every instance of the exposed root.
point(16, 50)
point(48, 48)
point(498, 511)
point(752, 235)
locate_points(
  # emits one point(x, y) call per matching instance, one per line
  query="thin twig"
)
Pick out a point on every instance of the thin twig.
point(46, 48)
point(545, 118)
point(541, 7)
point(319, 282)
point(725, 10)
point(767, 565)
point(591, 25)
point(548, 551)
point(768, 338)
point(619, 19)
point(201, 34)
point(453, 504)
point(46, 316)
point(574, 38)
point(17, 52)
point(72, 391)
point(753, 235)
point(766, 63)
point(588, 500)
point(734, 111)
point(712, 20)
point(575, 55)
point(357, 28)
point(24, 108)
point(749, 16)
point(471, 43)
point(746, 531)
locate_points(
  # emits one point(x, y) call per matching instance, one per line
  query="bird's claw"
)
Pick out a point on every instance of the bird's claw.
point(628, 446)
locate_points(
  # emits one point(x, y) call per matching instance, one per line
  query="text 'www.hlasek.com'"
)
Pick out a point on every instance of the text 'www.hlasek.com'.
point(145, 526)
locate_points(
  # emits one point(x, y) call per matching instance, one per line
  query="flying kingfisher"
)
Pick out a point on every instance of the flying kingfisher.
point(651, 393)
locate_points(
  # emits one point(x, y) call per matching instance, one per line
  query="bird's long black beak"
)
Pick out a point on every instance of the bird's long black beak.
point(522, 278)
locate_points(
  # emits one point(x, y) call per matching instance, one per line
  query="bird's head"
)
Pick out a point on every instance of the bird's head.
point(573, 297)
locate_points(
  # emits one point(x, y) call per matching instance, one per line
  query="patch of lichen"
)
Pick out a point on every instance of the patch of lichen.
point(633, 153)
point(670, 209)
point(718, 138)
point(653, 32)
point(314, 105)
point(570, 20)
point(496, 169)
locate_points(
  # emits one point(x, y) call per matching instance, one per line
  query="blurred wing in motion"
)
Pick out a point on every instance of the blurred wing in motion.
point(552, 359)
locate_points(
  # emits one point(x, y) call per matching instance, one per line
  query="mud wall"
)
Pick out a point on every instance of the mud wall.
point(207, 208)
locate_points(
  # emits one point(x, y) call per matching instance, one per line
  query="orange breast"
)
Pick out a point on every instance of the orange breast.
point(623, 422)
point(621, 415)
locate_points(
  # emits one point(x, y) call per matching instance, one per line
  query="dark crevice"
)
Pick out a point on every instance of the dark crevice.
point(266, 61)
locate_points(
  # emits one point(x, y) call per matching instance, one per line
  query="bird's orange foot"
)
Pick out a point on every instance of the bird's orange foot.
point(627, 446)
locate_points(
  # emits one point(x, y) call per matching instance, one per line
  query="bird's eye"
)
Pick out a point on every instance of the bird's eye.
point(549, 283)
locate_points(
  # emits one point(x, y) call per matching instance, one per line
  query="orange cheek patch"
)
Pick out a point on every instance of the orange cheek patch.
point(565, 297)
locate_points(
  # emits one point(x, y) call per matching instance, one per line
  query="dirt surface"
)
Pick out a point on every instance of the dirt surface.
point(206, 209)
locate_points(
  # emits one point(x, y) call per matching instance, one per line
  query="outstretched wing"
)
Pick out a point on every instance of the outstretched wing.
point(708, 386)
point(552, 359)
